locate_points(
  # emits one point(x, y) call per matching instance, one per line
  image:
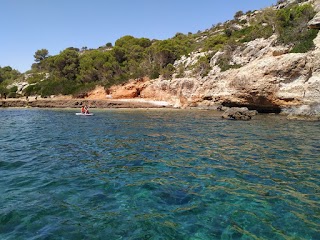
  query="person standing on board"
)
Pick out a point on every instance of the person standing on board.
point(86, 110)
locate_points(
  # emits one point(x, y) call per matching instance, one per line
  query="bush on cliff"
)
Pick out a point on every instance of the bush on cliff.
point(32, 89)
point(202, 67)
point(8, 75)
point(306, 42)
point(291, 26)
point(36, 77)
point(215, 43)
point(168, 71)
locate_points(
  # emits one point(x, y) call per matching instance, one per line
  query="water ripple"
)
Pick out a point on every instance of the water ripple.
point(150, 174)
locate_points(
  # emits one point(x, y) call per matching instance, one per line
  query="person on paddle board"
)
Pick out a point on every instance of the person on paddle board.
point(86, 111)
point(83, 110)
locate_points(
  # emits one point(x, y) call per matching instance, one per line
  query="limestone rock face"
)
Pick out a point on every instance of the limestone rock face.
point(130, 90)
point(254, 50)
point(269, 79)
point(266, 84)
point(177, 92)
point(305, 112)
point(98, 93)
point(315, 22)
point(316, 4)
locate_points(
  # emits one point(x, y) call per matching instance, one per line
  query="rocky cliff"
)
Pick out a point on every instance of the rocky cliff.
point(270, 79)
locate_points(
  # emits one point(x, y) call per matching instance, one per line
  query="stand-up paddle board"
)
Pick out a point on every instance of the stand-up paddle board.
point(84, 114)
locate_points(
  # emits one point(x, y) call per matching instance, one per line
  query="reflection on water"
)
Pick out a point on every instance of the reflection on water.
point(157, 174)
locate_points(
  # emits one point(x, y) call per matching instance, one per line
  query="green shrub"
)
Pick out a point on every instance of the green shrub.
point(306, 42)
point(202, 67)
point(280, 1)
point(168, 71)
point(228, 32)
point(13, 89)
point(224, 64)
point(8, 74)
point(36, 77)
point(215, 43)
point(253, 32)
point(3, 90)
point(55, 87)
point(32, 90)
point(238, 14)
point(181, 71)
point(154, 73)
point(224, 60)
point(291, 26)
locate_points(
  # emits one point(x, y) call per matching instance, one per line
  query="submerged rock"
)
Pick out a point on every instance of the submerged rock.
point(236, 113)
point(178, 197)
point(174, 196)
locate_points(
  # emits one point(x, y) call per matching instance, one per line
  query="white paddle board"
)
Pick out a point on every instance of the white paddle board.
point(84, 114)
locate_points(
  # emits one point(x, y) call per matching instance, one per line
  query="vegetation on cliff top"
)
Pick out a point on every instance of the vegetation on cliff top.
point(7, 76)
point(77, 71)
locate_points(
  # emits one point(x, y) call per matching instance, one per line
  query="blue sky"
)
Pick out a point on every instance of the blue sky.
point(29, 25)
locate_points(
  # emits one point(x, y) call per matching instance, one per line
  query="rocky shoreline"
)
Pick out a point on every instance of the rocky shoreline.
point(231, 113)
point(76, 103)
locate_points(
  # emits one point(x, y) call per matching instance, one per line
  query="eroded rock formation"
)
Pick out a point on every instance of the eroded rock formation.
point(270, 79)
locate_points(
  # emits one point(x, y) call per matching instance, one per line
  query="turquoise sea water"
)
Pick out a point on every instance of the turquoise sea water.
point(157, 174)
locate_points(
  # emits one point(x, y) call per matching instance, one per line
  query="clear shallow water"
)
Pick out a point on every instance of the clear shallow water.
point(157, 174)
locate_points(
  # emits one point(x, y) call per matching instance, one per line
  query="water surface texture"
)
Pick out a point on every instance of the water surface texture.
point(157, 174)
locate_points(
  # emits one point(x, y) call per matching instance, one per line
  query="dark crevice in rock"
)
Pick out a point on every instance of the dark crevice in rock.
point(251, 106)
